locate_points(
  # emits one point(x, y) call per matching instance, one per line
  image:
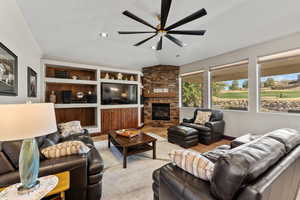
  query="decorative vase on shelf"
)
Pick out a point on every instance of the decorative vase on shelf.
point(52, 97)
point(120, 76)
point(132, 78)
point(106, 76)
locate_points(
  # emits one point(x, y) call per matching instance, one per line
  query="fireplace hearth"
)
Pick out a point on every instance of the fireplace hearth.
point(161, 111)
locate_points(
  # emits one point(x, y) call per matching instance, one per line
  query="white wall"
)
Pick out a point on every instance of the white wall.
point(16, 35)
point(240, 122)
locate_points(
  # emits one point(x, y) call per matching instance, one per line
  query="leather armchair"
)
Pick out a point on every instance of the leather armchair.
point(211, 131)
point(86, 171)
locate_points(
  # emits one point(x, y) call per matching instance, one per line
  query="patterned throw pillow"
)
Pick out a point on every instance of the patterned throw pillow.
point(70, 128)
point(194, 163)
point(202, 117)
point(65, 149)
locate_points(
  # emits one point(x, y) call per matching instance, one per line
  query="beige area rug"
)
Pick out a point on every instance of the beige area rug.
point(134, 182)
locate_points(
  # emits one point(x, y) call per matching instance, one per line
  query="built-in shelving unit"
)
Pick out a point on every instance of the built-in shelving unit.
point(63, 76)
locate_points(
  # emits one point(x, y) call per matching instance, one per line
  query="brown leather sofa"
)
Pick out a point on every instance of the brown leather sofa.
point(86, 171)
point(267, 168)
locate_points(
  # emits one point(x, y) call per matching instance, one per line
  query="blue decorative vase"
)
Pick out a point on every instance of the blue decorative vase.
point(29, 163)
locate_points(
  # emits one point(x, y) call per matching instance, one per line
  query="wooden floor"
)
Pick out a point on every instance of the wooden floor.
point(163, 133)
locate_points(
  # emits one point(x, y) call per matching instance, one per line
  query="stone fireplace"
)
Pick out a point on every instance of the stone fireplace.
point(161, 90)
point(161, 111)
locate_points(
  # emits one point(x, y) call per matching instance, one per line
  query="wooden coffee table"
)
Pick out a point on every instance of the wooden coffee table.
point(131, 146)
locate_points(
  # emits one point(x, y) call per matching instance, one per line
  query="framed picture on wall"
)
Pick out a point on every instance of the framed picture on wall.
point(8, 72)
point(31, 83)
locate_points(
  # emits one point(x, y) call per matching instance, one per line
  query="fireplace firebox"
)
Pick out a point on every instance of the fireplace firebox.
point(161, 111)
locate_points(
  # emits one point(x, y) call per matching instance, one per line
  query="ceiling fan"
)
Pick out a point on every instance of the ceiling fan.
point(166, 31)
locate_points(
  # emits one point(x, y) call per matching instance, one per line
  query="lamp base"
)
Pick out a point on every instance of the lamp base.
point(23, 190)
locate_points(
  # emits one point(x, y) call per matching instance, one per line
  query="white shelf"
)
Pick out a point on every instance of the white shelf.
point(118, 81)
point(77, 105)
point(119, 106)
point(70, 81)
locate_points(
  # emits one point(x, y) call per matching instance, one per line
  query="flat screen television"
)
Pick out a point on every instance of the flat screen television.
point(116, 93)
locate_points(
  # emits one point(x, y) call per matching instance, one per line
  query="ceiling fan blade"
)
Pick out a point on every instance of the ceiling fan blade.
point(192, 17)
point(135, 32)
point(175, 40)
point(165, 8)
point(200, 32)
point(132, 16)
point(145, 40)
point(159, 44)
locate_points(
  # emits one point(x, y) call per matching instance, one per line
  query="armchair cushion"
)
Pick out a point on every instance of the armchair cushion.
point(216, 126)
point(198, 127)
point(202, 117)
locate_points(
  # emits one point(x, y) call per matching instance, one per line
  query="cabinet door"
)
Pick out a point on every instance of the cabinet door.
point(116, 119)
point(105, 120)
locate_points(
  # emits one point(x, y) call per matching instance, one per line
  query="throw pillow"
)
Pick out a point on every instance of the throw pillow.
point(202, 117)
point(65, 149)
point(70, 128)
point(194, 163)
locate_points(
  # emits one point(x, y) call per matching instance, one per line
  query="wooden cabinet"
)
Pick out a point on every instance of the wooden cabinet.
point(118, 118)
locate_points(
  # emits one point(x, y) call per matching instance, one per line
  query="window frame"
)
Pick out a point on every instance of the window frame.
point(245, 61)
point(202, 88)
point(259, 76)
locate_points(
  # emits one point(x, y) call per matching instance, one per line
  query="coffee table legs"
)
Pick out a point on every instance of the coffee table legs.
point(124, 157)
point(154, 149)
point(109, 140)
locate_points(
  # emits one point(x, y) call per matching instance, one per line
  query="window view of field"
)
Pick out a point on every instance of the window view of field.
point(280, 93)
point(232, 95)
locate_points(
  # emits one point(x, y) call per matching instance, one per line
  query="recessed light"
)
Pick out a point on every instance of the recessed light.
point(105, 35)
point(184, 44)
point(153, 47)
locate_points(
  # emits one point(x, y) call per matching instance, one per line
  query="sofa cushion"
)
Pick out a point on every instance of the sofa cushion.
point(65, 149)
point(243, 165)
point(193, 162)
point(198, 127)
point(289, 137)
point(12, 150)
point(6, 166)
point(54, 137)
point(216, 153)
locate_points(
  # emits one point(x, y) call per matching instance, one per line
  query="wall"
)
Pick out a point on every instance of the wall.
point(241, 122)
point(16, 35)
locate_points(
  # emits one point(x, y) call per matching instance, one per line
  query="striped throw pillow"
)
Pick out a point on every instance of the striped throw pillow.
point(194, 163)
point(65, 149)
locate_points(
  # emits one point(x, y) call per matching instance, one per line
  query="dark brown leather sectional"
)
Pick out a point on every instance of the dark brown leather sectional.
point(267, 168)
point(86, 171)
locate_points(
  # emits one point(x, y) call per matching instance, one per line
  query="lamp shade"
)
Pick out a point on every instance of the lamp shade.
point(23, 121)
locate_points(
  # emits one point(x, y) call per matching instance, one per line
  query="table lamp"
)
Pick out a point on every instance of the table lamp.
point(25, 122)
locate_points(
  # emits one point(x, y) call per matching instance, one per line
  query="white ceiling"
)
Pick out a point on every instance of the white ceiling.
point(69, 29)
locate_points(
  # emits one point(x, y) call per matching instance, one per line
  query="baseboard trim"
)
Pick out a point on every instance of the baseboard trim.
point(227, 137)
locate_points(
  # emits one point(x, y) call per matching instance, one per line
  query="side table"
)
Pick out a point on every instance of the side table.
point(62, 186)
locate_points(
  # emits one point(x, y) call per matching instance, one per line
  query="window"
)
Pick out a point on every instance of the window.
point(229, 86)
point(192, 90)
point(280, 82)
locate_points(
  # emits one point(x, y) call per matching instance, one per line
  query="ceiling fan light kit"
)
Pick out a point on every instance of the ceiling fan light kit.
point(163, 31)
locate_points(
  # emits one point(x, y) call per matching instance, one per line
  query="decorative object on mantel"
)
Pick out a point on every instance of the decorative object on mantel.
point(161, 90)
point(43, 116)
point(79, 95)
point(52, 97)
point(106, 76)
point(120, 76)
point(31, 83)
point(47, 184)
point(132, 78)
point(8, 72)
point(75, 77)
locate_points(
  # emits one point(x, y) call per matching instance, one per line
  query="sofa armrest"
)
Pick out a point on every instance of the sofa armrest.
point(188, 120)
point(175, 183)
point(216, 126)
